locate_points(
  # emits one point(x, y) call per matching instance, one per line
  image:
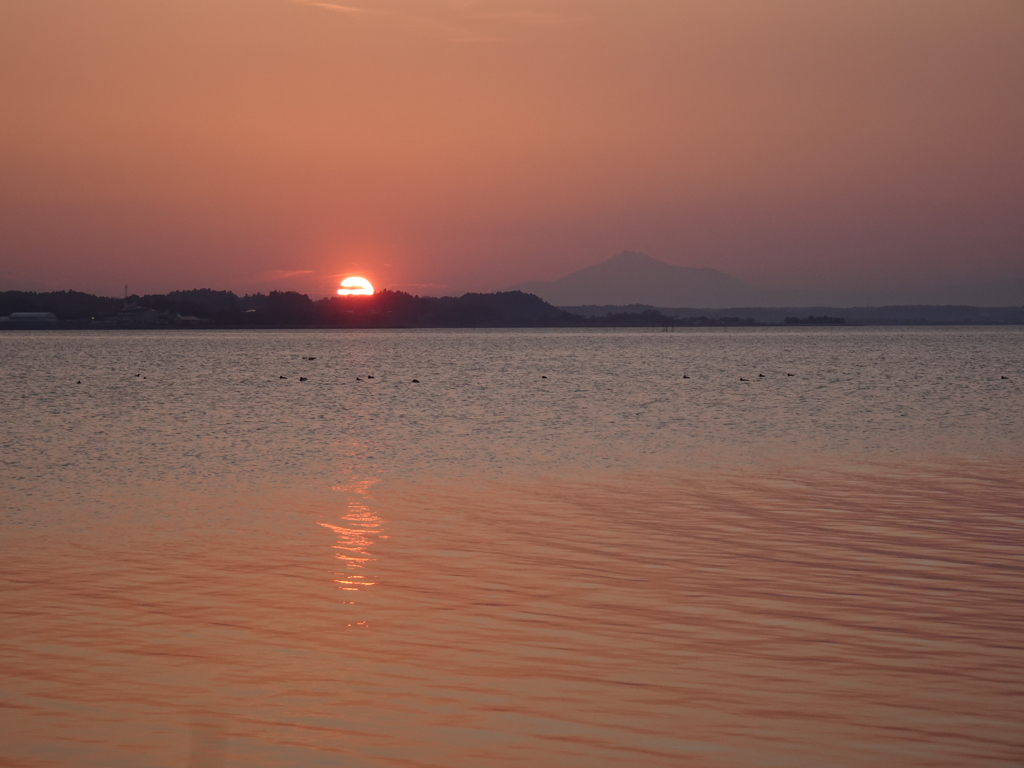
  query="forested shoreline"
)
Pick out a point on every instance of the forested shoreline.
point(205, 307)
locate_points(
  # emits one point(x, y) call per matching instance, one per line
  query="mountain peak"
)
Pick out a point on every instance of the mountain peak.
point(635, 260)
point(631, 257)
point(631, 277)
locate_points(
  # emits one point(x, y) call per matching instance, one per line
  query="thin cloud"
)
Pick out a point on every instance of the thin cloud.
point(459, 22)
point(332, 7)
point(286, 274)
point(408, 20)
point(350, 10)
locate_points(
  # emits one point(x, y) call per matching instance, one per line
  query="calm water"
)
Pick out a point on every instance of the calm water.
point(553, 550)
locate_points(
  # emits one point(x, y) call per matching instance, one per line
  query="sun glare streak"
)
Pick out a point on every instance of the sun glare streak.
point(361, 528)
point(355, 286)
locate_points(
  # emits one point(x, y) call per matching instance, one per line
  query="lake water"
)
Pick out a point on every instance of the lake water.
point(558, 548)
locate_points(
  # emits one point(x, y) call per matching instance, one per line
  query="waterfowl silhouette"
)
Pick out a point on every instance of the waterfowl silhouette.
point(358, 379)
point(742, 379)
point(760, 375)
point(370, 377)
point(303, 378)
point(543, 377)
point(415, 381)
point(311, 358)
point(282, 377)
point(791, 374)
point(685, 376)
point(78, 382)
point(1004, 377)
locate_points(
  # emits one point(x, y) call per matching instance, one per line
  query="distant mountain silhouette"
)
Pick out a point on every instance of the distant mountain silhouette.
point(636, 278)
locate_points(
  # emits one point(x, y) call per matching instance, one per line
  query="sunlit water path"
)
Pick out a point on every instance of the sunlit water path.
point(207, 564)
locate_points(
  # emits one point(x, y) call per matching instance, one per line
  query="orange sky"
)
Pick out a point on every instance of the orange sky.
point(442, 146)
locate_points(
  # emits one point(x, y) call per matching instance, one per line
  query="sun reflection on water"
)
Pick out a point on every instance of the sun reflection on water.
point(361, 528)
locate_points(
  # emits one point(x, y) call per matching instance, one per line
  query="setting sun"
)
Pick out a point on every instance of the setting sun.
point(355, 286)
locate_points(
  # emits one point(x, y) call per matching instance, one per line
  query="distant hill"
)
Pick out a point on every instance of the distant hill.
point(636, 278)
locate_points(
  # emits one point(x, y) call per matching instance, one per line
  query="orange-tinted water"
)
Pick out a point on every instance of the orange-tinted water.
point(867, 615)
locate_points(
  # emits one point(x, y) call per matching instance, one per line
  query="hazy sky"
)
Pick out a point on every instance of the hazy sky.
point(450, 145)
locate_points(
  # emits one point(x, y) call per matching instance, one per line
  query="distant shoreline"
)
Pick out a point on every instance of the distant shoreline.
point(78, 325)
point(206, 308)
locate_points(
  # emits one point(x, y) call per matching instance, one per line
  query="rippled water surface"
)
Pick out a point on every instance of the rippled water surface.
point(556, 549)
